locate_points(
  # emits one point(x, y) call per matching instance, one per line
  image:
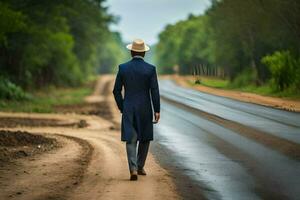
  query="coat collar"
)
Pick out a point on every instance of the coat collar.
point(138, 57)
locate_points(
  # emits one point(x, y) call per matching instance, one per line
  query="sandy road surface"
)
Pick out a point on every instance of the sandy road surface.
point(91, 164)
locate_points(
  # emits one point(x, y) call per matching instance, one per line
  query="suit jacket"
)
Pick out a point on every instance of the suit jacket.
point(139, 80)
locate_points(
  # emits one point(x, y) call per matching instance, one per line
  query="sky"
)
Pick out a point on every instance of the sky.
point(145, 19)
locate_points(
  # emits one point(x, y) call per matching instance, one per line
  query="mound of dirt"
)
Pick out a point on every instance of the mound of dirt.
point(101, 109)
point(20, 138)
point(20, 144)
point(11, 122)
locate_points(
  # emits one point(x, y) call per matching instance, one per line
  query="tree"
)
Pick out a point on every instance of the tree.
point(57, 42)
point(234, 35)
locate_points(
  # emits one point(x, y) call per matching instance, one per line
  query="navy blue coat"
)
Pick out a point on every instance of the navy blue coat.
point(139, 80)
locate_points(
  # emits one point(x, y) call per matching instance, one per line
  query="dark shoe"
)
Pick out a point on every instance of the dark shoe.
point(133, 176)
point(142, 172)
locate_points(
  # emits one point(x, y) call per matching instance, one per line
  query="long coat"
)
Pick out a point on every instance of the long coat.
point(139, 80)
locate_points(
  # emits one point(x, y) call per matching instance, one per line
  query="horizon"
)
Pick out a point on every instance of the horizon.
point(162, 14)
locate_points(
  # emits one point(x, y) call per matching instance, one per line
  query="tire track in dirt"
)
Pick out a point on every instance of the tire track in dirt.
point(52, 175)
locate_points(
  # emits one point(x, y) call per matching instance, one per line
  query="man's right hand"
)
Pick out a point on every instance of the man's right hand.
point(157, 117)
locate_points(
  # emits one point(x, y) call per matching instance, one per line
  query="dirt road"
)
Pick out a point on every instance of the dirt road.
point(90, 162)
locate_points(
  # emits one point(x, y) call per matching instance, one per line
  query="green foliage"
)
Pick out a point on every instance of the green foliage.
point(167, 49)
point(191, 52)
point(211, 82)
point(9, 90)
point(55, 42)
point(284, 69)
point(10, 21)
point(112, 54)
point(245, 78)
point(184, 44)
point(46, 100)
point(233, 35)
point(214, 82)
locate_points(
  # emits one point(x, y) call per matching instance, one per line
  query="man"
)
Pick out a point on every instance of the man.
point(139, 80)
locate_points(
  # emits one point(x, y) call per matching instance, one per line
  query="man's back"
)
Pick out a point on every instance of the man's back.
point(139, 80)
point(136, 75)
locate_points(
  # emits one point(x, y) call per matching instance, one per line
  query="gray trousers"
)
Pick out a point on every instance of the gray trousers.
point(136, 160)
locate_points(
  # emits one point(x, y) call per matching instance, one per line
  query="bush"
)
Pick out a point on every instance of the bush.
point(284, 69)
point(10, 91)
point(246, 78)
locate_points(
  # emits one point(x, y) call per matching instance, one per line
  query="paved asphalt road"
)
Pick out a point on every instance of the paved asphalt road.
point(228, 149)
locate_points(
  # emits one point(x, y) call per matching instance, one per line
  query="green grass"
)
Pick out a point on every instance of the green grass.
point(45, 100)
point(212, 82)
point(266, 90)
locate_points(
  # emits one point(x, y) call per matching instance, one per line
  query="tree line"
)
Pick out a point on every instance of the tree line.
point(57, 42)
point(252, 41)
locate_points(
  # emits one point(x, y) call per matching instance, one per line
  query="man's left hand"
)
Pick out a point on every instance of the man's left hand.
point(157, 117)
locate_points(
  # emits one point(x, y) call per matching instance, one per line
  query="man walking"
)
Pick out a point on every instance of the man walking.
point(141, 92)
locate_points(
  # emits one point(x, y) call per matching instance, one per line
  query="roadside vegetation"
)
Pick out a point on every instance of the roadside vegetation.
point(254, 44)
point(45, 100)
point(210, 82)
point(49, 49)
point(220, 83)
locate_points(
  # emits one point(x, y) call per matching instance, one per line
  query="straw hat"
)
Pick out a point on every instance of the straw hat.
point(138, 45)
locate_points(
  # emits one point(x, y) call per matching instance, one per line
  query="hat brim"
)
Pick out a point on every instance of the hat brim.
point(129, 46)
